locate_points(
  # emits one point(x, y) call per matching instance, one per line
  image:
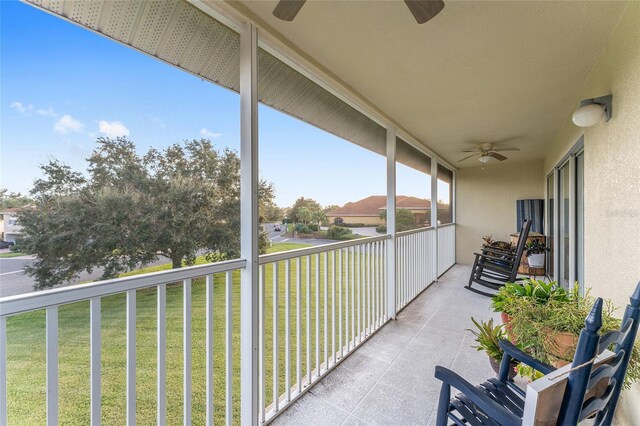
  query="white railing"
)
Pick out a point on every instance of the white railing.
point(181, 327)
point(318, 305)
point(215, 284)
point(446, 247)
point(415, 264)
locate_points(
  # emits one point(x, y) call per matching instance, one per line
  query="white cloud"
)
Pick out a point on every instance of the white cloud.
point(209, 134)
point(23, 109)
point(67, 124)
point(113, 129)
point(47, 112)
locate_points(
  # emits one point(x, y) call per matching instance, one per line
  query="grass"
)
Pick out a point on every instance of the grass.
point(26, 349)
point(11, 254)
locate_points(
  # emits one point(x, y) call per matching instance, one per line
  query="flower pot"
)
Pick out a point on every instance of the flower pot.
point(496, 367)
point(536, 260)
point(561, 347)
point(506, 320)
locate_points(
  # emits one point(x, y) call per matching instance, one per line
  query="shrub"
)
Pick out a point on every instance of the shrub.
point(336, 232)
point(313, 227)
point(301, 228)
point(382, 229)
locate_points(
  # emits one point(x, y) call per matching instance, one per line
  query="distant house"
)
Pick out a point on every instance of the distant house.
point(9, 227)
point(367, 211)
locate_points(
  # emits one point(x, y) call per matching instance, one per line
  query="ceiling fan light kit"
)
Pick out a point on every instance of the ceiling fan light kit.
point(592, 110)
point(484, 159)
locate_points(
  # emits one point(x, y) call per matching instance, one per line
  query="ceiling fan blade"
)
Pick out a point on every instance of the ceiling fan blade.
point(288, 9)
point(470, 150)
point(506, 149)
point(497, 156)
point(465, 158)
point(424, 10)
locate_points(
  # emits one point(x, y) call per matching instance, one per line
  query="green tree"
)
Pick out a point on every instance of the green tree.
point(130, 208)
point(308, 203)
point(304, 215)
point(330, 207)
point(405, 220)
point(318, 216)
point(10, 200)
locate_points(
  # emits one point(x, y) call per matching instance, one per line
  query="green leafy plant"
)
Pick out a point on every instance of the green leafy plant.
point(500, 245)
point(537, 321)
point(488, 336)
point(535, 247)
point(336, 232)
point(537, 290)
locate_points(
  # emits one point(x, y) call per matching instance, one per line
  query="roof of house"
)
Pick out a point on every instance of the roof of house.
point(18, 209)
point(372, 205)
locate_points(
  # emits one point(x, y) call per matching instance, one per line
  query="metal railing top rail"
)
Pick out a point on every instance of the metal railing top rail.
point(292, 254)
point(414, 231)
point(444, 225)
point(12, 305)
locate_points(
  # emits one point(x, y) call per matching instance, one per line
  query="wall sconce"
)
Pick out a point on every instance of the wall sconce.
point(592, 110)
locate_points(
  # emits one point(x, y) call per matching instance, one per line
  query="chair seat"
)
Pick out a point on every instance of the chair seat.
point(463, 412)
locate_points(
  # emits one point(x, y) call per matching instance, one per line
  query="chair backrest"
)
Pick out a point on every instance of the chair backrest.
point(522, 242)
point(595, 391)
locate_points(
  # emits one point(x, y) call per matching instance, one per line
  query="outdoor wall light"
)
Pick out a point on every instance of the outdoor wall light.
point(592, 110)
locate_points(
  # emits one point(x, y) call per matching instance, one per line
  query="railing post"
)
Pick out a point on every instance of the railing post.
point(249, 295)
point(434, 211)
point(391, 222)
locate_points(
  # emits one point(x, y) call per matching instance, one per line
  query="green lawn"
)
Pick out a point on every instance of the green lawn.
point(11, 254)
point(26, 351)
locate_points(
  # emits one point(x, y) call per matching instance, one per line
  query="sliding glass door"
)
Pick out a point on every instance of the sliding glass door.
point(565, 213)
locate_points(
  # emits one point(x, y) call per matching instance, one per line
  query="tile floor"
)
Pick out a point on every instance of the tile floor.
point(389, 379)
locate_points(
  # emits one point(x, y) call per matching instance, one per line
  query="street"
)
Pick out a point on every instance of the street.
point(14, 281)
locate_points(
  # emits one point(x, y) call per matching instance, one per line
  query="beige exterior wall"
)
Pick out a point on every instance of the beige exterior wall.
point(486, 202)
point(612, 176)
point(367, 220)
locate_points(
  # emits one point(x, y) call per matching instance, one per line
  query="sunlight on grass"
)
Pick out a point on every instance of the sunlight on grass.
point(26, 347)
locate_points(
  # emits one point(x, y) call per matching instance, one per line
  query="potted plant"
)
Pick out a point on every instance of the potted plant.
point(487, 339)
point(548, 327)
point(535, 252)
point(507, 299)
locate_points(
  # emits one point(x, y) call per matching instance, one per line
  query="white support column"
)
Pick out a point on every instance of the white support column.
point(434, 211)
point(249, 295)
point(391, 222)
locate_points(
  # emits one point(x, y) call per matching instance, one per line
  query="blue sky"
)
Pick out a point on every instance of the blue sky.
point(63, 86)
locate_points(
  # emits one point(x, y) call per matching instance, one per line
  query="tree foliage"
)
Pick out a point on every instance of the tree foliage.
point(405, 220)
point(129, 208)
point(10, 200)
point(307, 210)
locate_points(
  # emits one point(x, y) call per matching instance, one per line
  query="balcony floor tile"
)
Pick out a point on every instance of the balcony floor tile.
point(389, 379)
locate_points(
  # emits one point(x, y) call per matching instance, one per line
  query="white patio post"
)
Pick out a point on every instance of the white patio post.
point(391, 222)
point(249, 296)
point(434, 211)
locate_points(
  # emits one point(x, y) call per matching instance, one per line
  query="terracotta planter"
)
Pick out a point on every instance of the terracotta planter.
point(506, 320)
point(495, 365)
point(562, 347)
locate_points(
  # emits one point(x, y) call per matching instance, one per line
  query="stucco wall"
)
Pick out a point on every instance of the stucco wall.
point(486, 202)
point(612, 175)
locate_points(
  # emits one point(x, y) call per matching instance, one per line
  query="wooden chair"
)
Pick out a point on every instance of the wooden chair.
point(493, 267)
point(591, 388)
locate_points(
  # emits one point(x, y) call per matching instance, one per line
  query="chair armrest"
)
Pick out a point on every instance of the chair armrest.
point(493, 258)
point(483, 401)
point(498, 251)
point(511, 351)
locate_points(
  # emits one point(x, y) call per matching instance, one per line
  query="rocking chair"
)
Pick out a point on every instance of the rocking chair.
point(593, 381)
point(493, 268)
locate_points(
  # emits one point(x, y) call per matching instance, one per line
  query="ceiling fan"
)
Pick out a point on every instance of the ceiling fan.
point(486, 151)
point(422, 10)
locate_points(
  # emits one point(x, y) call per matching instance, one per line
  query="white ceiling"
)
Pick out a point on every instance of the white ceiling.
point(479, 71)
